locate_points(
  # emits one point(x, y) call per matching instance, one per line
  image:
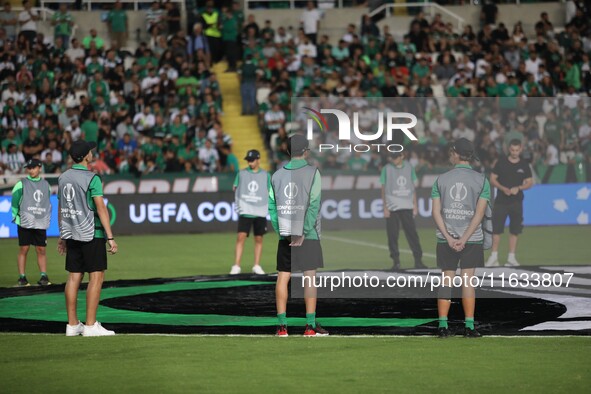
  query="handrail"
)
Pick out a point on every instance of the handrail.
point(88, 3)
point(339, 3)
point(387, 7)
point(45, 12)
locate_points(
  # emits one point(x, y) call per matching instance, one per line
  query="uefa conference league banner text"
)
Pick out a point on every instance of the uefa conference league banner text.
point(153, 213)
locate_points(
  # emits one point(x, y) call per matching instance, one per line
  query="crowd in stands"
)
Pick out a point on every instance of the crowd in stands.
point(158, 108)
point(154, 109)
point(510, 68)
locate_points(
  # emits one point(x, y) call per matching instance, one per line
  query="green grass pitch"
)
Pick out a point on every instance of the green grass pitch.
point(165, 256)
point(168, 364)
point(152, 364)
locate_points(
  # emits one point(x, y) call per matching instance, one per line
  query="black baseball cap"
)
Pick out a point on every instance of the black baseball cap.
point(80, 149)
point(33, 163)
point(465, 148)
point(252, 155)
point(298, 144)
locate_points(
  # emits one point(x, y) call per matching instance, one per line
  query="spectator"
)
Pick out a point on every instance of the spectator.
point(198, 46)
point(544, 26)
point(50, 166)
point(32, 146)
point(93, 41)
point(282, 37)
point(12, 160)
point(126, 146)
point(74, 131)
point(144, 121)
point(489, 13)
point(209, 158)
point(310, 21)
point(307, 48)
point(211, 17)
point(173, 17)
point(126, 127)
point(462, 131)
point(187, 155)
point(369, 27)
point(230, 33)
point(274, 119)
point(118, 26)
point(27, 20)
point(232, 163)
point(54, 154)
point(9, 21)
point(155, 18)
point(217, 136)
point(63, 22)
point(552, 157)
point(248, 86)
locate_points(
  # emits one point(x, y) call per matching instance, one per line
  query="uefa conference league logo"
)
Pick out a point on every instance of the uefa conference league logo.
point(37, 196)
point(458, 193)
point(253, 188)
point(290, 191)
point(69, 194)
point(344, 122)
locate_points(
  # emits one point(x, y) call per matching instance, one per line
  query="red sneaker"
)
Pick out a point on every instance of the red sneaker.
point(282, 331)
point(317, 331)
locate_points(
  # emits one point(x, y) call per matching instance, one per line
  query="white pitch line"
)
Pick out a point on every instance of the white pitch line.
point(550, 336)
point(363, 243)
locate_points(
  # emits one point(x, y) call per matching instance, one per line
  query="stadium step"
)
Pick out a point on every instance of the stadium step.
point(244, 130)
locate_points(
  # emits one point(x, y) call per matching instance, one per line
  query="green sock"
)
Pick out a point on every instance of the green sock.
point(470, 323)
point(442, 321)
point(282, 319)
point(43, 274)
point(311, 319)
point(22, 276)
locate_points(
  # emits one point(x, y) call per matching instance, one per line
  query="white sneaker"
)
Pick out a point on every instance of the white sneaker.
point(258, 270)
point(512, 262)
point(492, 262)
point(73, 331)
point(235, 270)
point(96, 330)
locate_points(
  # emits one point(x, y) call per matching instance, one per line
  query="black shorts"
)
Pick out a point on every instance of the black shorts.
point(515, 213)
point(306, 257)
point(258, 225)
point(31, 236)
point(88, 256)
point(448, 259)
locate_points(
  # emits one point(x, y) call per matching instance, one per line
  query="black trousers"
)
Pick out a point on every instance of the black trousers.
point(215, 48)
point(393, 223)
point(232, 52)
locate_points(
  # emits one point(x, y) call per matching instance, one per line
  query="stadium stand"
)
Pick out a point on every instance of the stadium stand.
point(151, 91)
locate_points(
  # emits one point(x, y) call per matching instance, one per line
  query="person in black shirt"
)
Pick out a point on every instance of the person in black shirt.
point(173, 17)
point(511, 175)
point(32, 145)
point(489, 13)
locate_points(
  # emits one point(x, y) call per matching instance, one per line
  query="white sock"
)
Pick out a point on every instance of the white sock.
point(494, 255)
point(511, 256)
